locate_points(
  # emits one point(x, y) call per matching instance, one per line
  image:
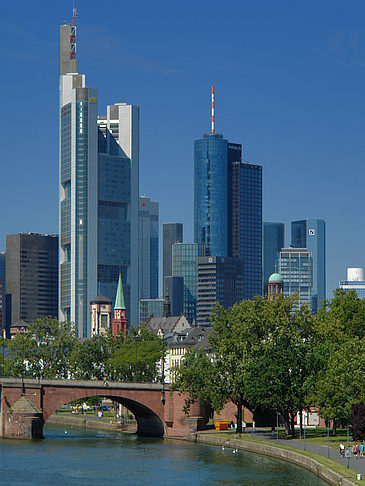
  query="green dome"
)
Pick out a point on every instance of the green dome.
point(275, 277)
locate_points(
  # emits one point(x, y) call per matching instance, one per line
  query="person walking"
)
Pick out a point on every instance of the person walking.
point(361, 450)
point(355, 450)
point(342, 450)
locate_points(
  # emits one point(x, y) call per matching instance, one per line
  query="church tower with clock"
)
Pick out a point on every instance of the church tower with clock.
point(119, 321)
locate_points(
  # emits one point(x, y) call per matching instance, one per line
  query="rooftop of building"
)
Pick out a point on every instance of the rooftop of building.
point(101, 299)
point(275, 277)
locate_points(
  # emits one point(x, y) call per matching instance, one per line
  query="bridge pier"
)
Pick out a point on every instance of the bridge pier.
point(23, 420)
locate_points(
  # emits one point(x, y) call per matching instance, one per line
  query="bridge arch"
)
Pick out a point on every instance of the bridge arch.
point(149, 422)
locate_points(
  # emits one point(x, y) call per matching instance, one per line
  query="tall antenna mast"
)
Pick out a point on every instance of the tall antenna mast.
point(73, 33)
point(213, 108)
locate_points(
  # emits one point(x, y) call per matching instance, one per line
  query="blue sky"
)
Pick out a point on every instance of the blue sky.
point(290, 84)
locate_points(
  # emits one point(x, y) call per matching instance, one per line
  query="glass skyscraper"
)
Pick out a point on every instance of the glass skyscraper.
point(228, 206)
point(171, 233)
point(184, 264)
point(211, 193)
point(296, 267)
point(220, 279)
point(273, 243)
point(245, 223)
point(311, 234)
point(148, 248)
point(98, 196)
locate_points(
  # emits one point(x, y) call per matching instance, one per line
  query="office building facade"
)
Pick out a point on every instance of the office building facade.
point(174, 289)
point(148, 248)
point(245, 223)
point(150, 307)
point(273, 243)
point(355, 281)
point(296, 270)
point(118, 186)
point(31, 276)
point(171, 233)
point(211, 193)
point(220, 280)
point(98, 196)
point(2, 291)
point(184, 264)
point(311, 234)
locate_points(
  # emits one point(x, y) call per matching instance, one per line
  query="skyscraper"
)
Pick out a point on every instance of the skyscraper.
point(171, 233)
point(228, 205)
point(245, 222)
point(296, 269)
point(118, 187)
point(2, 291)
point(98, 208)
point(31, 276)
point(184, 264)
point(220, 280)
point(148, 248)
point(174, 288)
point(273, 243)
point(211, 193)
point(311, 234)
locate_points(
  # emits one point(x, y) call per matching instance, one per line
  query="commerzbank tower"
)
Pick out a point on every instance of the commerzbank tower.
point(98, 194)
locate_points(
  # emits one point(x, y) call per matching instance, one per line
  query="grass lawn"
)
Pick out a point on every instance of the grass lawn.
point(319, 436)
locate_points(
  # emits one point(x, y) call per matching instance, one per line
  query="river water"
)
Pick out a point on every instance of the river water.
point(84, 457)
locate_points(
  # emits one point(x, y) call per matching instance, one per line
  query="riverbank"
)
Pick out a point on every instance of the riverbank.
point(313, 462)
point(87, 422)
point(318, 465)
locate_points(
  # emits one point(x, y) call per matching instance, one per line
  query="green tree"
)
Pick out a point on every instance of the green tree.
point(341, 318)
point(198, 376)
point(43, 351)
point(90, 359)
point(341, 384)
point(247, 338)
point(4, 344)
point(137, 356)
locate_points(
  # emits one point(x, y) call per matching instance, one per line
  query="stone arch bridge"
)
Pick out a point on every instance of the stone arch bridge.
point(26, 404)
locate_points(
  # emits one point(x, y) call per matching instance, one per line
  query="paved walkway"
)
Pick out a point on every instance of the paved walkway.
point(357, 464)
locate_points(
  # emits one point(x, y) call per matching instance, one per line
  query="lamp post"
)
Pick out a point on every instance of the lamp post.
point(277, 426)
point(328, 437)
point(163, 369)
point(22, 329)
point(305, 443)
point(348, 454)
point(253, 423)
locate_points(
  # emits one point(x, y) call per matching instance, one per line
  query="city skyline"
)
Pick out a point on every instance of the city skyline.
point(285, 103)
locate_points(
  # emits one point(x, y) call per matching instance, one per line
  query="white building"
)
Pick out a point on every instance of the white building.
point(355, 281)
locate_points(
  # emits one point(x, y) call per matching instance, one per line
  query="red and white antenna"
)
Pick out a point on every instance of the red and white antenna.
point(73, 33)
point(213, 108)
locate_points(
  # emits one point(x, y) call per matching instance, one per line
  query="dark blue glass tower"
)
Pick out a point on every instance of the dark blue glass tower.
point(210, 193)
point(311, 234)
point(245, 222)
point(228, 206)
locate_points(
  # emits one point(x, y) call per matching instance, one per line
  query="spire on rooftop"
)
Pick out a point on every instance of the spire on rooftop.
point(119, 299)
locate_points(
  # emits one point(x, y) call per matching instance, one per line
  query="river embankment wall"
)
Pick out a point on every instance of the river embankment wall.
point(84, 422)
point(331, 477)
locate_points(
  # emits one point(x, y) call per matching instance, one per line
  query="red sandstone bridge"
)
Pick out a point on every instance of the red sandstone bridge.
point(26, 404)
